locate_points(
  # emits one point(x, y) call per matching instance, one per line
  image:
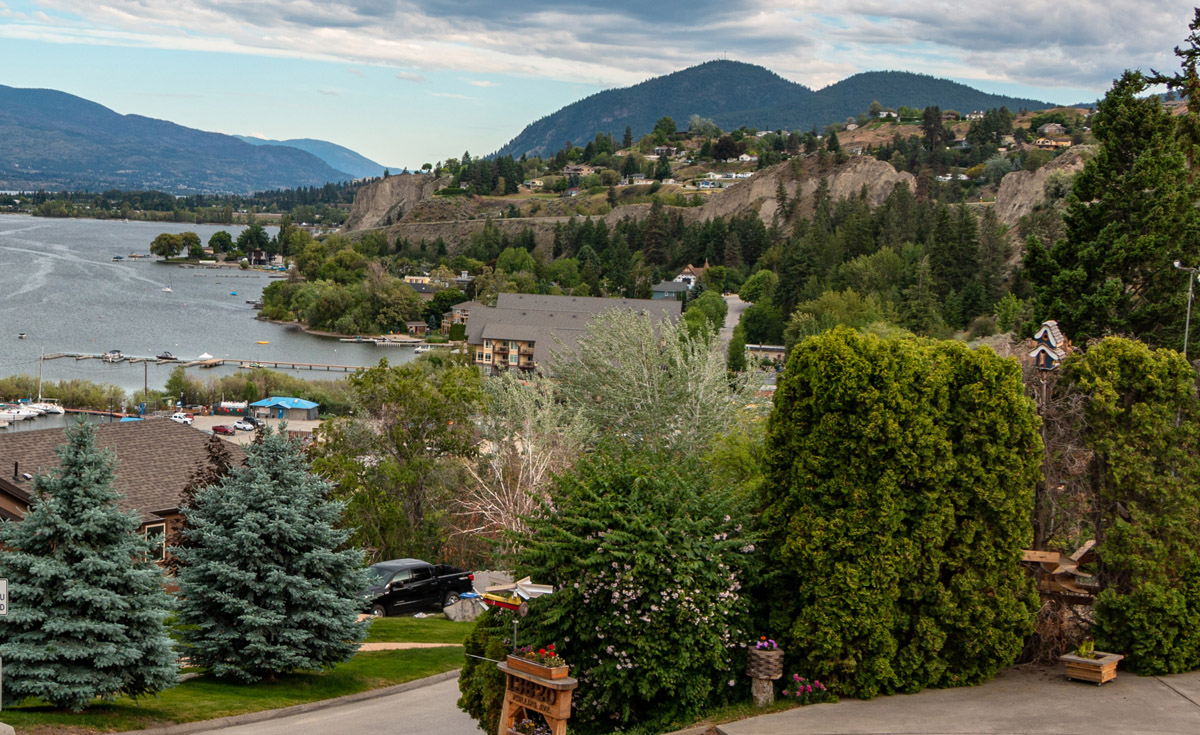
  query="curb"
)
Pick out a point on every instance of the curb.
point(296, 709)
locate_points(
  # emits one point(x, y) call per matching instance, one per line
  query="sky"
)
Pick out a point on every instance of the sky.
point(405, 82)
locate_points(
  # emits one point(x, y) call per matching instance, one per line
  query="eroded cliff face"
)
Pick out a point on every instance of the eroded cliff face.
point(385, 202)
point(1021, 191)
point(804, 176)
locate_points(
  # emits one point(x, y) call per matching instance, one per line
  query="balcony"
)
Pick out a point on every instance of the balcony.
point(526, 351)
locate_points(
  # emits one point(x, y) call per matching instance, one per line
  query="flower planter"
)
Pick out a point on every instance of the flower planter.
point(765, 664)
point(1098, 670)
point(530, 667)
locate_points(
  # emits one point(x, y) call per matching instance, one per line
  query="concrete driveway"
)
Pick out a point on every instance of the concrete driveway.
point(736, 307)
point(1020, 701)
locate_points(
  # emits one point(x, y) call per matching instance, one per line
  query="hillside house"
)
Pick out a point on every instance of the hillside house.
point(691, 274)
point(975, 115)
point(747, 158)
point(1050, 144)
point(533, 184)
point(153, 462)
point(578, 169)
point(669, 290)
point(416, 329)
point(1052, 128)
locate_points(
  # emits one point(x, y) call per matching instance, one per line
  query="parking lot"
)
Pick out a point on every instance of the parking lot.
point(205, 423)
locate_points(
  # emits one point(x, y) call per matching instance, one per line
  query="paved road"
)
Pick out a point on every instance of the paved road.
point(1020, 701)
point(736, 307)
point(428, 710)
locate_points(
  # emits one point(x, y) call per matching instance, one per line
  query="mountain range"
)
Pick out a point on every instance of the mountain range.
point(55, 140)
point(338, 157)
point(733, 94)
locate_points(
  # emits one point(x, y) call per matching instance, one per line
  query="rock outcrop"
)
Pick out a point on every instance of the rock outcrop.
point(1021, 191)
point(386, 201)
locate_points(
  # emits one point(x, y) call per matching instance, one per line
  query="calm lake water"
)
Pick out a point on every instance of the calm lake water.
point(59, 285)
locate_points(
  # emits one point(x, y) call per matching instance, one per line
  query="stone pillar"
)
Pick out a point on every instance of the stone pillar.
point(764, 667)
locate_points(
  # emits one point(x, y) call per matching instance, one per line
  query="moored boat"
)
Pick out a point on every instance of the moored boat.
point(167, 357)
point(112, 356)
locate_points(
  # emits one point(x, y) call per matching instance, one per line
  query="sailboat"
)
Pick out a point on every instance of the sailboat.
point(45, 405)
point(170, 282)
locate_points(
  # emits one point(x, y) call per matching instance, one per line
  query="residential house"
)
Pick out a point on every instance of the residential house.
point(578, 169)
point(459, 314)
point(285, 408)
point(691, 274)
point(416, 329)
point(153, 463)
point(1051, 128)
point(709, 185)
point(975, 115)
point(665, 150)
point(523, 331)
point(633, 179)
point(888, 115)
point(747, 158)
point(851, 127)
point(1050, 144)
point(425, 290)
point(533, 184)
point(416, 279)
point(669, 290)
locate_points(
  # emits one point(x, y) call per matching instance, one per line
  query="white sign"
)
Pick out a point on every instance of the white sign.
point(3, 597)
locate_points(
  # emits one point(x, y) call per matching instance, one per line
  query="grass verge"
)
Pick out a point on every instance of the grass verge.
point(204, 698)
point(418, 630)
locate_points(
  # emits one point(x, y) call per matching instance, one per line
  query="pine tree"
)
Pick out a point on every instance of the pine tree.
point(264, 588)
point(86, 608)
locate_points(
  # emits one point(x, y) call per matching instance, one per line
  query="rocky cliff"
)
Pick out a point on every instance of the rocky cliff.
point(385, 202)
point(1021, 191)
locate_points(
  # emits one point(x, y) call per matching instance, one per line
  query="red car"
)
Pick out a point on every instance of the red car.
point(225, 429)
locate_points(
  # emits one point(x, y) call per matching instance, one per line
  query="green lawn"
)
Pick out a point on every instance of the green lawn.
point(418, 630)
point(204, 698)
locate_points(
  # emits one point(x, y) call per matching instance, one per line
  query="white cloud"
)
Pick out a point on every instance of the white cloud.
point(619, 42)
point(481, 83)
point(451, 96)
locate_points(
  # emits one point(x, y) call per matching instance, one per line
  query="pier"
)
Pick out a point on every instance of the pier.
point(219, 361)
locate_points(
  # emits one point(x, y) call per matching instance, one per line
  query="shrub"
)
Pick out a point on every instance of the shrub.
point(648, 563)
point(1142, 424)
point(481, 683)
point(897, 499)
point(982, 326)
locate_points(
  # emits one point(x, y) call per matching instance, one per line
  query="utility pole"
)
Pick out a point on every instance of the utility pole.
point(1193, 274)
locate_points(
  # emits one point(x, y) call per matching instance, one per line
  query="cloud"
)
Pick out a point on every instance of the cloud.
point(356, 73)
point(481, 83)
point(605, 43)
point(451, 96)
point(328, 92)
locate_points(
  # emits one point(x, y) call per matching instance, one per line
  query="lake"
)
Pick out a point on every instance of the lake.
point(59, 285)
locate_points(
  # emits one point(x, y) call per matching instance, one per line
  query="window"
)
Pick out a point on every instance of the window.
point(421, 573)
point(156, 534)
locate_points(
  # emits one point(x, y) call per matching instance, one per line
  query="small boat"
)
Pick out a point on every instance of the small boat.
point(47, 405)
point(262, 342)
point(167, 289)
point(233, 293)
point(118, 258)
point(21, 335)
point(422, 348)
point(167, 357)
point(112, 356)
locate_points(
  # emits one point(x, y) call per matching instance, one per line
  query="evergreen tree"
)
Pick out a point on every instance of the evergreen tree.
point(736, 359)
point(1130, 214)
point(86, 607)
point(627, 140)
point(264, 588)
point(662, 169)
point(218, 464)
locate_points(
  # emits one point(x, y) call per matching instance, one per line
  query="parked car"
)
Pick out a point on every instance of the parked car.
point(225, 429)
point(183, 418)
point(244, 425)
point(411, 585)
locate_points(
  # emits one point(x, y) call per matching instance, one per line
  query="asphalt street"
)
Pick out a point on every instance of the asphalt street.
point(428, 710)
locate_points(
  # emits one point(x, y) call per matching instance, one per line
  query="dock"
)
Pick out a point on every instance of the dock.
point(246, 364)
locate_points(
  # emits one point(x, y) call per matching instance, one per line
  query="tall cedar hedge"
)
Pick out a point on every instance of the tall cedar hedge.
point(898, 496)
point(1143, 427)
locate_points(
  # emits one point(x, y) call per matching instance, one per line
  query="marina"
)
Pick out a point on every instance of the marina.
point(211, 362)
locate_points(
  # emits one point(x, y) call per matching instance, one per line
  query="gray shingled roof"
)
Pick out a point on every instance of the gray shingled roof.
point(553, 323)
point(154, 459)
point(670, 287)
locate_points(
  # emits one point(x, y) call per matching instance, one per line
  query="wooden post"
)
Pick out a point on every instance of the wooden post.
point(524, 693)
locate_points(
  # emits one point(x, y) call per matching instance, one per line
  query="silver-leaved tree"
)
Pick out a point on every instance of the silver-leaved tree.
point(86, 609)
point(265, 587)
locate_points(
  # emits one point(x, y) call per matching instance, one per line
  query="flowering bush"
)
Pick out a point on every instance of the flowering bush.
point(648, 606)
point(532, 727)
point(545, 656)
point(765, 644)
point(807, 692)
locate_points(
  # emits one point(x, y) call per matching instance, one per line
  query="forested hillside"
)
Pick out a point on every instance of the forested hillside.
point(734, 94)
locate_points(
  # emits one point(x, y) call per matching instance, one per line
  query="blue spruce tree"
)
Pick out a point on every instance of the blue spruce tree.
point(86, 609)
point(264, 588)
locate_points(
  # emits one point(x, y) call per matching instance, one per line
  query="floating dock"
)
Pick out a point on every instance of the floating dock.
point(219, 361)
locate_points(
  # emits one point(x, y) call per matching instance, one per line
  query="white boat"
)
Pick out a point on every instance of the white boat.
point(422, 348)
point(112, 356)
point(167, 289)
point(47, 405)
point(17, 413)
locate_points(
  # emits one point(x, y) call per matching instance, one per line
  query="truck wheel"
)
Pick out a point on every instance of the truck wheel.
point(378, 611)
point(451, 598)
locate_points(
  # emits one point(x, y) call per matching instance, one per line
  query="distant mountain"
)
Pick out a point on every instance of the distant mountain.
point(338, 157)
point(733, 94)
point(54, 140)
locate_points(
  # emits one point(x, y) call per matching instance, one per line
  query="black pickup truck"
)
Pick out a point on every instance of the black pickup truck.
point(404, 586)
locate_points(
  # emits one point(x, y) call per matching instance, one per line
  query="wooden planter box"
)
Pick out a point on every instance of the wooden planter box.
point(536, 669)
point(763, 664)
point(1098, 670)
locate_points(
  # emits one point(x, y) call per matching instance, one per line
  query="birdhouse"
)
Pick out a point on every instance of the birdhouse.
point(1050, 346)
